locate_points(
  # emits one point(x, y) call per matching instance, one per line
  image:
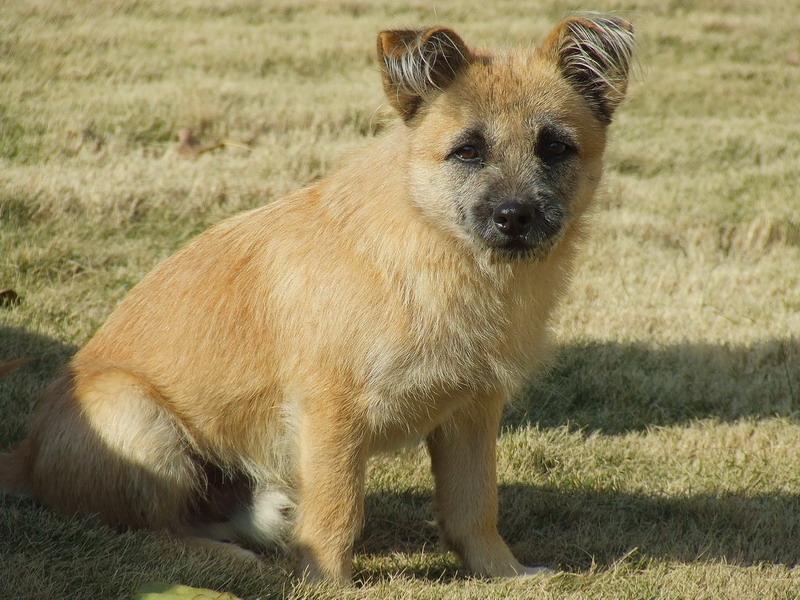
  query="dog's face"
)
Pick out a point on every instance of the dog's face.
point(505, 150)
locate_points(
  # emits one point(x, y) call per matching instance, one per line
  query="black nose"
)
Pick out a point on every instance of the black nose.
point(513, 218)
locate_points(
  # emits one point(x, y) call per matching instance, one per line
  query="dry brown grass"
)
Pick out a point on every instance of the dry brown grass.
point(658, 459)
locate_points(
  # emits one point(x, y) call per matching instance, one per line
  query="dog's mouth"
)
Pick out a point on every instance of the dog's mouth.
point(518, 231)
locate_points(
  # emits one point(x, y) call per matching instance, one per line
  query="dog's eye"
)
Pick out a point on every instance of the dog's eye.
point(553, 151)
point(467, 154)
point(556, 148)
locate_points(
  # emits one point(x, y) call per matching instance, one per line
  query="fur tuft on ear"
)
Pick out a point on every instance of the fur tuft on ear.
point(594, 53)
point(417, 64)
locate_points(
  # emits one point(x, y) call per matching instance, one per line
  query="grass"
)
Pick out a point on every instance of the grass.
point(658, 458)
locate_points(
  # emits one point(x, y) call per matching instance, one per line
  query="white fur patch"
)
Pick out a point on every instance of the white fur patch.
point(268, 521)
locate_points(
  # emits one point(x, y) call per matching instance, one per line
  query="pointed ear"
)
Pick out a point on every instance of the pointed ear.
point(417, 64)
point(594, 52)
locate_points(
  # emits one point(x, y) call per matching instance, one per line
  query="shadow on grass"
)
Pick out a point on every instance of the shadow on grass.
point(578, 529)
point(572, 529)
point(47, 354)
point(20, 388)
point(613, 388)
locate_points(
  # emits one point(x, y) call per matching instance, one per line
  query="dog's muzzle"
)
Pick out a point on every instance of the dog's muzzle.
point(520, 229)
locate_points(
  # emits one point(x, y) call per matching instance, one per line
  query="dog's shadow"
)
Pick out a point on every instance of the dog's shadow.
point(20, 388)
point(613, 388)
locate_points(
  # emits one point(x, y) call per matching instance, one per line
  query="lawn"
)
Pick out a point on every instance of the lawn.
point(658, 457)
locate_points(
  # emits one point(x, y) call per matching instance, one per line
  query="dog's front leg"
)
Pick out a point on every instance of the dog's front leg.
point(331, 469)
point(462, 453)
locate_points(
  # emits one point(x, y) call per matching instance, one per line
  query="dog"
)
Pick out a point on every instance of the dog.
point(238, 390)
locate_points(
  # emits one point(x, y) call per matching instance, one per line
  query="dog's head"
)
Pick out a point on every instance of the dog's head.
point(505, 149)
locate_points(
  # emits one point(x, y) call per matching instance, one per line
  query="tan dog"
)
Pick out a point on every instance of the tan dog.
point(405, 296)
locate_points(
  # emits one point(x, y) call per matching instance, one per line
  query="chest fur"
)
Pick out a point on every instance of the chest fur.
point(458, 340)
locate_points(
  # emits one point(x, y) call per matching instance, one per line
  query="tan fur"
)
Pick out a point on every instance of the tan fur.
point(277, 351)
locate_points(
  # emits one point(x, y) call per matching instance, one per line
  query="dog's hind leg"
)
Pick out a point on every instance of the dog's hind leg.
point(103, 443)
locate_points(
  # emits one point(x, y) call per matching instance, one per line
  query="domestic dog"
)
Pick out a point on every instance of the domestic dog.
point(237, 392)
